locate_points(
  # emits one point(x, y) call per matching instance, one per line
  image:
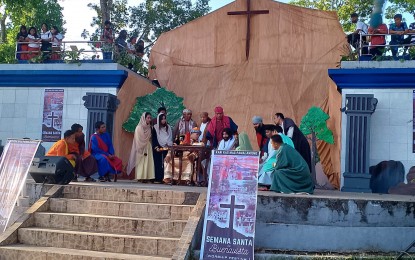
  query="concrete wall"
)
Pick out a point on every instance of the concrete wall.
point(391, 130)
point(21, 110)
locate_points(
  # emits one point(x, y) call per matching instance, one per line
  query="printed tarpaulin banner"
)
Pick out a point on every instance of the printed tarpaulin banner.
point(14, 165)
point(229, 226)
point(52, 115)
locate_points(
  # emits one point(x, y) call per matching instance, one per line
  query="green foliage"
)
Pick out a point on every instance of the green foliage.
point(363, 7)
point(147, 21)
point(29, 13)
point(315, 122)
point(150, 103)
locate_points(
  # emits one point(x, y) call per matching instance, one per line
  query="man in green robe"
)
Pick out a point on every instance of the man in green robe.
point(291, 173)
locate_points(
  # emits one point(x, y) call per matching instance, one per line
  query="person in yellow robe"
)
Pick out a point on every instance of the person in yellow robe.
point(60, 148)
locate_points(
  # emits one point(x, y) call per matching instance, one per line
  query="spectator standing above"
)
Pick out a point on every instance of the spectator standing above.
point(131, 51)
point(107, 37)
point(378, 39)
point(139, 48)
point(121, 42)
point(56, 43)
point(46, 37)
point(411, 30)
point(398, 29)
point(34, 43)
point(354, 38)
point(22, 47)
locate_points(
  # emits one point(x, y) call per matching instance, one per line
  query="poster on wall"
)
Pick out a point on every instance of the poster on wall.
point(52, 115)
point(229, 225)
point(15, 162)
point(413, 122)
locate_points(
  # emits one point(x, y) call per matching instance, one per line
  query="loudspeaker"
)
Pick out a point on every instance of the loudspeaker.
point(52, 170)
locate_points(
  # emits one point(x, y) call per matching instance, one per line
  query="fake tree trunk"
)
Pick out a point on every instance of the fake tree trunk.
point(314, 154)
point(314, 124)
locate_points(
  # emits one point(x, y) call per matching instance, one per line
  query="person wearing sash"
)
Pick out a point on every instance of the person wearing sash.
point(100, 146)
point(86, 165)
point(141, 156)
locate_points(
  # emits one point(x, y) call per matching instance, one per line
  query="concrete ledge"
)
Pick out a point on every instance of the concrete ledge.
point(377, 64)
point(191, 231)
point(26, 220)
point(314, 238)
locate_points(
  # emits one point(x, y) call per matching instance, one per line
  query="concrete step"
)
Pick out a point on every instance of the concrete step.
point(132, 194)
point(122, 209)
point(30, 252)
point(110, 224)
point(95, 241)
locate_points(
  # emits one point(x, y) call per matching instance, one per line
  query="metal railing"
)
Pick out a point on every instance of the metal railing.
point(362, 43)
point(67, 50)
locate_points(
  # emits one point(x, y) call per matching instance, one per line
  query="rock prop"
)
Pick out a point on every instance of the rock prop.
point(405, 189)
point(385, 175)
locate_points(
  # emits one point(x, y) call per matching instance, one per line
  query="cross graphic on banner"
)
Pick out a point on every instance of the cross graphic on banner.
point(248, 14)
point(232, 206)
point(53, 117)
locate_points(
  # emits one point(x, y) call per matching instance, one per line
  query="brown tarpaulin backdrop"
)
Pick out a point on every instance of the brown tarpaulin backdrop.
point(291, 49)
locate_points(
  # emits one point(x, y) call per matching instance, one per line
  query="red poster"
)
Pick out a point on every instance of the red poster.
point(52, 115)
point(229, 227)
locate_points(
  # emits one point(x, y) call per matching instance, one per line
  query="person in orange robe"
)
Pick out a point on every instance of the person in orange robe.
point(60, 148)
point(86, 165)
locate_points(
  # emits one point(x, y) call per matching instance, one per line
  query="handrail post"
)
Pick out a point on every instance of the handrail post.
point(360, 44)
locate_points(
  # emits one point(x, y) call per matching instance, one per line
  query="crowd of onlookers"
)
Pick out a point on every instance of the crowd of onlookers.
point(47, 43)
point(32, 43)
point(373, 38)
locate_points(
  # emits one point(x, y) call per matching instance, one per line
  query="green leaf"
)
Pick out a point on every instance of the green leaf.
point(150, 103)
point(315, 122)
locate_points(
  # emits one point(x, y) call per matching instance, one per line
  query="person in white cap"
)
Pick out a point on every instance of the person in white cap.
point(184, 125)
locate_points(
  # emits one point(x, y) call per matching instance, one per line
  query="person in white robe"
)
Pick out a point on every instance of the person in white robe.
point(141, 156)
point(228, 142)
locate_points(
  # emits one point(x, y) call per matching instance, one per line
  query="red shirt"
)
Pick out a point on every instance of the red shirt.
point(378, 39)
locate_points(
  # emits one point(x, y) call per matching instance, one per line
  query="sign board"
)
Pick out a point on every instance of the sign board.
point(229, 225)
point(52, 115)
point(14, 165)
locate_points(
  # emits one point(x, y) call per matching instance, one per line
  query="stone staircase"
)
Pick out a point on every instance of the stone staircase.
point(103, 222)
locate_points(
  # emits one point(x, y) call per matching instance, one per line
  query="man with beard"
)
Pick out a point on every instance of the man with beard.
point(228, 142)
point(260, 134)
point(214, 130)
point(291, 130)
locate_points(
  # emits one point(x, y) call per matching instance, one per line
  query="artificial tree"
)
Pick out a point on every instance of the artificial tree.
point(314, 126)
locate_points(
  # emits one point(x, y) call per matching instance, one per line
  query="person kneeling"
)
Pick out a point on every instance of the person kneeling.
point(291, 173)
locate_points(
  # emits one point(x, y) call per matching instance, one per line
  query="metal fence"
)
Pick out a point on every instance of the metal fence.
point(365, 44)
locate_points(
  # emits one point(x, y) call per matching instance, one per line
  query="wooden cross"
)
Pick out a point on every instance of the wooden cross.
point(248, 14)
point(232, 206)
point(53, 117)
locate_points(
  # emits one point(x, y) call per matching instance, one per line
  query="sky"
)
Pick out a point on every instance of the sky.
point(78, 16)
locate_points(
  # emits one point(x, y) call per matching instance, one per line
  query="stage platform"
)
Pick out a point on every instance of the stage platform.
point(328, 222)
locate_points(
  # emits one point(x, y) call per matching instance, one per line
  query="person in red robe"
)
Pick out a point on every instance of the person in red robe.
point(86, 165)
point(215, 128)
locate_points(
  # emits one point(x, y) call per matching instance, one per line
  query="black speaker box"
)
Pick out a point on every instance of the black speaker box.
point(52, 170)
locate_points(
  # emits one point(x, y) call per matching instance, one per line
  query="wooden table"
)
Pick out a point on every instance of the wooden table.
point(203, 153)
